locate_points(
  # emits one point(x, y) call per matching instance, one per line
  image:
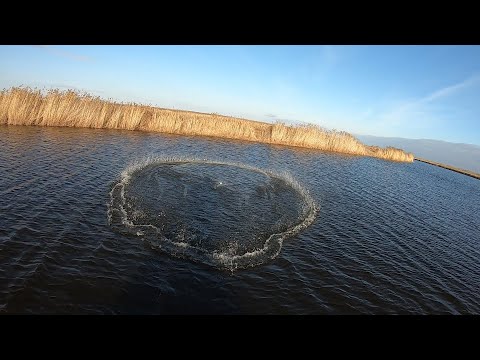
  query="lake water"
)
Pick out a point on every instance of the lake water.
point(120, 222)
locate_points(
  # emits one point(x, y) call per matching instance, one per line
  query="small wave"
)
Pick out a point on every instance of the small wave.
point(126, 215)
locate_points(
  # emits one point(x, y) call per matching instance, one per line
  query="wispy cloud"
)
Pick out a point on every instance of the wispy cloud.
point(422, 110)
point(322, 61)
point(330, 54)
point(63, 53)
point(452, 89)
point(64, 86)
point(276, 118)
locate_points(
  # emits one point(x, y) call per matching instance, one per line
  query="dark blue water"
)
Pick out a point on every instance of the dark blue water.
point(388, 238)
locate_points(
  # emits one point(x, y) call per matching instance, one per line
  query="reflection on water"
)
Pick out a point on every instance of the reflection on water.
point(389, 238)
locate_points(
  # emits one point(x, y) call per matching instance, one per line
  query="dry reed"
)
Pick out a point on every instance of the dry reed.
point(26, 106)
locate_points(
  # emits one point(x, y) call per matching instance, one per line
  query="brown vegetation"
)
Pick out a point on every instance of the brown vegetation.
point(25, 106)
point(452, 168)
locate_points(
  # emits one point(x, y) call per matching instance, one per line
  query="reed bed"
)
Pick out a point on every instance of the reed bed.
point(26, 106)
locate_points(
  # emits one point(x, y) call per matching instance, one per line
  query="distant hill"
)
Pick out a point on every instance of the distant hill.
point(465, 156)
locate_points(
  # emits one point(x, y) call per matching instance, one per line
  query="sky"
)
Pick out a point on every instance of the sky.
point(418, 92)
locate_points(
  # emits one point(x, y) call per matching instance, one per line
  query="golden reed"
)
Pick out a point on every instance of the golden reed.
point(26, 106)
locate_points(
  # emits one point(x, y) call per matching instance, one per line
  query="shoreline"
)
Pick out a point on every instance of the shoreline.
point(451, 168)
point(69, 108)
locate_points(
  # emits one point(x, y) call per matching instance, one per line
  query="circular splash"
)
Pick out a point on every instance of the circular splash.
point(226, 215)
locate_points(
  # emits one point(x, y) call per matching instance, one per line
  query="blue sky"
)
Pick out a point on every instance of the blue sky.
point(430, 92)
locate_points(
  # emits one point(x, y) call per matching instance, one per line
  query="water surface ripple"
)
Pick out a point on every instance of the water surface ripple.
point(389, 238)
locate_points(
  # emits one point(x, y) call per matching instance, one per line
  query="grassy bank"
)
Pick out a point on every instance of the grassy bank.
point(452, 168)
point(25, 106)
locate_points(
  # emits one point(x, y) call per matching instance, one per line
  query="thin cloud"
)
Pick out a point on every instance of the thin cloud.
point(450, 90)
point(276, 118)
point(63, 53)
point(446, 91)
point(422, 108)
point(330, 54)
point(65, 86)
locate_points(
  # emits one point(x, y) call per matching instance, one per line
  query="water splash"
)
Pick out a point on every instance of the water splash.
point(126, 215)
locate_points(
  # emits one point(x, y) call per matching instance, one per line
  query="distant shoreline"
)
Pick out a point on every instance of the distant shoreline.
point(452, 168)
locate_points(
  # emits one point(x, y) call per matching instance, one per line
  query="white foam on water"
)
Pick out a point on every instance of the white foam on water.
point(226, 258)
